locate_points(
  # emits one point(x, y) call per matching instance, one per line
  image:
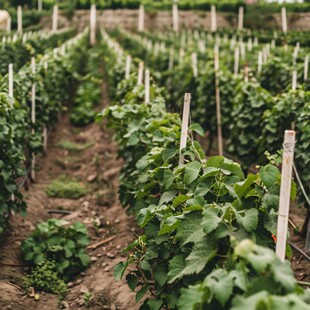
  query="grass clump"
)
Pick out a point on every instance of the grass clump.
point(65, 188)
point(74, 147)
point(45, 277)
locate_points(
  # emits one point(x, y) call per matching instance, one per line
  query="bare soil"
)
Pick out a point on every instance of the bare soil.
point(98, 168)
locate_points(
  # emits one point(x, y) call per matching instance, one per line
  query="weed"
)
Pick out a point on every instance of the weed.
point(66, 188)
point(74, 147)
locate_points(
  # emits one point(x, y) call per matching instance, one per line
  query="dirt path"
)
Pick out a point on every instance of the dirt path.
point(98, 168)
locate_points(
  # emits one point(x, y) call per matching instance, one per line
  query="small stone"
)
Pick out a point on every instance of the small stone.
point(80, 302)
point(70, 284)
point(113, 307)
point(93, 259)
point(110, 255)
point(106, 269)
point(64, 305)
point(83, 274)
point(99, 255)
point(92, 178)
point(79, 281)
point(117, 221)
point(36, 297)
point(118, 247)
point(105, 264)
point(93, 213)
point(84, 289)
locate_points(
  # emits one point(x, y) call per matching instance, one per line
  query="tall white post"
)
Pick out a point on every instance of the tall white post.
point(11, 84)
point(213, 18)
point(9, 24)
point(127, 68)
point(240, 18)
point(141, 18)
point(93, 24)
point(184, 129)
point(147, 86)
point(19, 18)
point(33, 111)
point(40, 6)
point(236, 66)
point(140, 73)
point(306, 67)
point(284, 20)
point(175, 17)
point(285, 191)
point(55, 18)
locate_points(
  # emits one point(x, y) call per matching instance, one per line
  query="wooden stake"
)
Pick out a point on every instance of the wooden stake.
point(9, 24)
point(240, 18)
point(11, 85)
point(250, 45)
point(141, 18)
point(127, 68)
point(40, 6)
point(194, 65)
point(45, 139)
point(306, 66)
point(175, 17)
point(19, 18)
point(246, 73)
point(284, 20)
point(184, 130)
point(294, 80)
point(147, 86)
point(171, 58)
point(33, 112)
point(285, 191)
point(213, 19)
point(218, 101)
point(259, 62)
point(140, 73)
point(236, 67)
point(55, 18)
point(93, 24)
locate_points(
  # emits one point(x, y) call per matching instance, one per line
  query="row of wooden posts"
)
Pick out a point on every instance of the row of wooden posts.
point(288, 151)
point(141, 18)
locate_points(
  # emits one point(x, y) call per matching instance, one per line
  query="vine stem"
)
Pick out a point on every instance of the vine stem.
point(303, 283)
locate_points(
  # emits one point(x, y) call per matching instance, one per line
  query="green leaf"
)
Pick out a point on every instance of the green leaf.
point(270, 175)
point(168, 178)
point(132, 281)
point(154, 304)
point(169, 153)
point(283, 274)
point(249, 220)
point(176, 265)
point(221, 284)
point(191, 297)
point(201, 254)
point(243, 188)
point(191, 172)
point(190, 229)
point(160, 275)
point(167, 197)
point(179, 200)
point(197, 128)
point(142, 292)
point(119, 270)
point(254, 302)
point(210, 220)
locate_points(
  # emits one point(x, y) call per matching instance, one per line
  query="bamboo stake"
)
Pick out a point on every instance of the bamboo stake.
point(284, 20)
point(194, 65)
point(171, 58)
point(250, 44)
point(246, 73)
point(218, 101)
point(127, 68)
point(93, 16)
point(259, 62)
point(19, 18)
point(184, 130)
point(40, 6)
point(9, 24)
point(11, 85)
point(306, 66)
point(55, 18)
point(236, 66)
point(141, 18)
point(33, 112)
point(240, 18)
point(175, 17)
point(294, 80)
point(284, 204)
point(45, 140)
point(213, 19)
point(147, 86)
point(140, 73)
